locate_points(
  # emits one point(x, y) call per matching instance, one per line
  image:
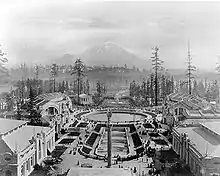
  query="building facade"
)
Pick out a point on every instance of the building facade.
point(199, 147)
point(23, 146)
point(184, 106)
point(55, 109)
point(85, 99)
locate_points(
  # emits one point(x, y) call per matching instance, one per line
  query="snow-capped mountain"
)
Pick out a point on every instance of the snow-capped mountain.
point(110, 53)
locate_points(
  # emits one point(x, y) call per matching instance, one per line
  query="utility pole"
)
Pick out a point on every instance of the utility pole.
point(109, 147)
point(191, 68)
point(157, 66)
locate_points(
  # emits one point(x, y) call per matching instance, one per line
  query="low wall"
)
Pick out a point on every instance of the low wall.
point(119, 111)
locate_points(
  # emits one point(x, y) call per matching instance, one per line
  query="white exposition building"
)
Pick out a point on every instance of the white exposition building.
point(199, 147)
point(23, 146)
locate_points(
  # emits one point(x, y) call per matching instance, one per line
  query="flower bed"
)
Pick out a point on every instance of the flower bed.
point(82, 125)
point(132, 128)
point(97, 127)
point(148, 125)
point(81, 113)
point(66, 141)
point(139, 150)
point(59, 150)
point(86, 150)
point(73, 134)
point(160, 142)
point(154, 135)
point(74, 123)
point(136, 140)
point(90, 141)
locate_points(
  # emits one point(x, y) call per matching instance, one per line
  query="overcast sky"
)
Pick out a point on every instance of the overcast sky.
point(40, 29)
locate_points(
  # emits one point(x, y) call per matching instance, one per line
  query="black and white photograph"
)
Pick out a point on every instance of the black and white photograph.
point(109, 88)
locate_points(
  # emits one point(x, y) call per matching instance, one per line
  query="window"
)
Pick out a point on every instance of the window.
point(176, 111)
point(22, 170)
point(28, 165)
point(39, 150)
point(180, 111)
point(52, 143)
point(192, 164)
point(32, 160)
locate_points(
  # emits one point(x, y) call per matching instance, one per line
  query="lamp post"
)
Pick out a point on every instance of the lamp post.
point(109, 145)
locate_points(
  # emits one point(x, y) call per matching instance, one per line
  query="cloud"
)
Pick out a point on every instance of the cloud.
point(62, 27)
point(105, 23)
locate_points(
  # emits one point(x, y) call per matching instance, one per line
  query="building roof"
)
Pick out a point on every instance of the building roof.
point(184, 104)
point(83, 95)
point(194, 113)
point(207, 113)
point(203, 141)
point(43, 102)
point(44, 98)
point(200, 120)
point(8, 124)
point(214, 127)
point(19, 139)
point(98, 172)
point(176, 96)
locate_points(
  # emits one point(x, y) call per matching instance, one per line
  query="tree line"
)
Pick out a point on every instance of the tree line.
point(144, 93)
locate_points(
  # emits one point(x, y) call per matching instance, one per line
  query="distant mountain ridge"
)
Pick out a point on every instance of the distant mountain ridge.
point(65, 59)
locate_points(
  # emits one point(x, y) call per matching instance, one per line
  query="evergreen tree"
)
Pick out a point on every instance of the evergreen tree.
point(67, 86)
point(99, 88)
point(36, 71)
point(32, 95)
point(63, 86)
point(171, 85)
point(3, 64)
point(190, 69)
point(9, 101)
point(79, 71)
point(53, 74)
point(144, 89)
point(195, 87)
point(60, 87)
point(201, 89)
point(148, 88)
point(35, 117)
point(164, 85)
point(157, 66)
point(18, 105)
point(151, 91)
point(132, 88)
point(87, 87)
